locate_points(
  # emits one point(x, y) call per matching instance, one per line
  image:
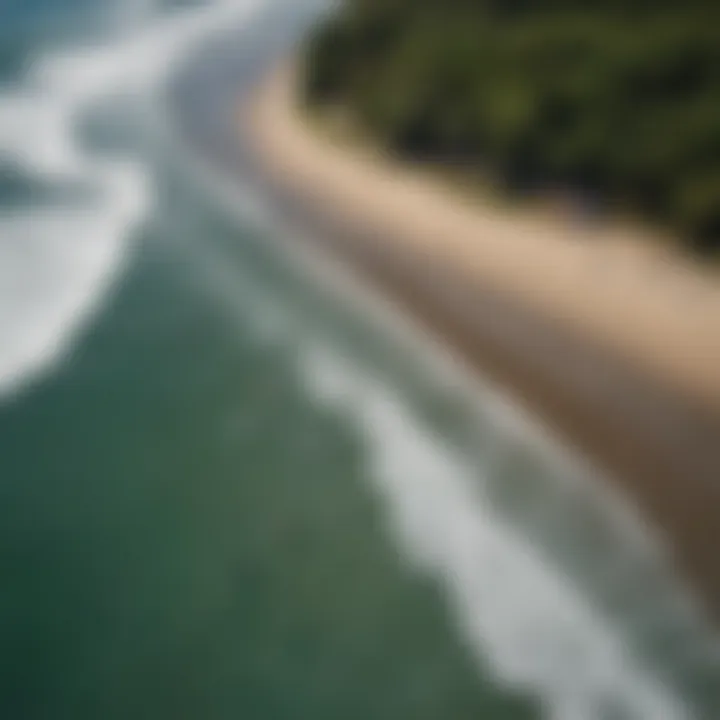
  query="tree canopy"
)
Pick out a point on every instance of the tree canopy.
point(620, 98)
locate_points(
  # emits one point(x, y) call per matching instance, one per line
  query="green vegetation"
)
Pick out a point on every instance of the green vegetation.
point(617, 99)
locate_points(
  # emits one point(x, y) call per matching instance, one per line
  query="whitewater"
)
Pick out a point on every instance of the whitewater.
point(486, 508)
point(47, 292)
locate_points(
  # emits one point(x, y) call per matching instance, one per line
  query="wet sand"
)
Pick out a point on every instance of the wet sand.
point(613, 346)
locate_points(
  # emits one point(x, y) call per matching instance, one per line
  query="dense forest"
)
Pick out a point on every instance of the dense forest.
point(617, 99)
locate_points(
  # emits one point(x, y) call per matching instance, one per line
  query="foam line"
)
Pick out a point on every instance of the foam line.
point(57, 264)
point(519, 614)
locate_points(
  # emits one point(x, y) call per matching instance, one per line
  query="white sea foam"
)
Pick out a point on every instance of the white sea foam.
point(57, 263)
point(523, 617)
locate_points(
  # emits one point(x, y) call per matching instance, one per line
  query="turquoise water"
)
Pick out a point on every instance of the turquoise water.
point(230, 488)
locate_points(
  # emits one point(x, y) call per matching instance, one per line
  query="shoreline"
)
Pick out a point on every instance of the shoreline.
point(531, 326)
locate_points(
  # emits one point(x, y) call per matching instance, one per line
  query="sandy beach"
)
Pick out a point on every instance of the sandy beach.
point(613, 341)
point(607, 283)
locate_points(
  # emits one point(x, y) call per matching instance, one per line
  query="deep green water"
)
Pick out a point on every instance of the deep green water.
point(185, 534)
point(241, 494)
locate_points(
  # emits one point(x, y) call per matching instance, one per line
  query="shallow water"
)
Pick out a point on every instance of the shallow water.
point(233, 483)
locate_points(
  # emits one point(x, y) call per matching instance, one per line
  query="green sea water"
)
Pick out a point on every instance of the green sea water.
point(185, 533)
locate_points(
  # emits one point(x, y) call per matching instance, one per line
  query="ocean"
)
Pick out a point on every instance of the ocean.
point(234, 481)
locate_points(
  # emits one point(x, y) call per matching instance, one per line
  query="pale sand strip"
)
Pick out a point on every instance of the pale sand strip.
point(608, 284)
